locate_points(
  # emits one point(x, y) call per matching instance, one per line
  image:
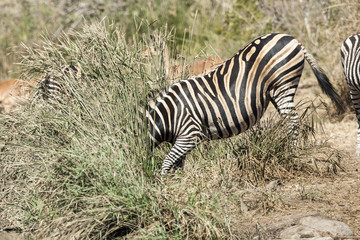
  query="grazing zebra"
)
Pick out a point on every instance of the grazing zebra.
point(15, 92)
point(50, 87)
point(233, 97)
point(350, 60)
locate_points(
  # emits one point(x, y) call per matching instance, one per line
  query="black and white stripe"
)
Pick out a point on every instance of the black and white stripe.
point(233, 97)
point(50, 86)
point(350, 60)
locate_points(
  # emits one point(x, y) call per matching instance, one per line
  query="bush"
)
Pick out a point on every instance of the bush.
point(81, 169)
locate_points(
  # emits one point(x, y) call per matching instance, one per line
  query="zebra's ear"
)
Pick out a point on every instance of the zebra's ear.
point(78, 74)
point(73, 71)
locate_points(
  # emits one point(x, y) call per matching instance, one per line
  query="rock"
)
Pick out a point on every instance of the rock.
point(316, 228)
point(335, 228)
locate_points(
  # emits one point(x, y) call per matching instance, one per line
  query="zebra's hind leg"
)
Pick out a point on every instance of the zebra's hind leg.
point(355, 97)
point(175, 159)
point(284, 103)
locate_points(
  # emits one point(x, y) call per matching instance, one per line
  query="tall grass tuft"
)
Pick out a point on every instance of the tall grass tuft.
point(81, 168)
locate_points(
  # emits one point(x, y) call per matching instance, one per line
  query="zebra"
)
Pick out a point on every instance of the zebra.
point(232, 98)
point(50, 86)
point(350, 60)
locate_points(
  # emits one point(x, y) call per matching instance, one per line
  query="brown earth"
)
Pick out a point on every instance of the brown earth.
point(336, 197)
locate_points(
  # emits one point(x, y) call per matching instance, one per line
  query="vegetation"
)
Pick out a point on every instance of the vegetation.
point(84, 170)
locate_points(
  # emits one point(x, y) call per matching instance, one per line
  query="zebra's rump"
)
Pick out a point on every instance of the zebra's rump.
point(350, 60)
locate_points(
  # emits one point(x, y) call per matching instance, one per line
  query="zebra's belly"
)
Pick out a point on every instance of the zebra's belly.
point(227, 115)
point(232, 125)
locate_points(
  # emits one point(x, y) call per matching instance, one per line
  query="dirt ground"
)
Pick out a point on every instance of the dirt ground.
point(336, 197)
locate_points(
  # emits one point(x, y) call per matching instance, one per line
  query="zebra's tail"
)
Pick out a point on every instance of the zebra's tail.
point(323, 81)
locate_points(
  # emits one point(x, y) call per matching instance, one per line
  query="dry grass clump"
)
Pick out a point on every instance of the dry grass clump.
point(81, 169)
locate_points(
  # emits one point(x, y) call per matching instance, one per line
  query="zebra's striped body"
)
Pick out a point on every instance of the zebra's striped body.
point(350, 60)
point(233, 97)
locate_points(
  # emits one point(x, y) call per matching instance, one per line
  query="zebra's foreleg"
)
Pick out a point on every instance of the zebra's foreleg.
point(355, 97)
point(175, 159)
